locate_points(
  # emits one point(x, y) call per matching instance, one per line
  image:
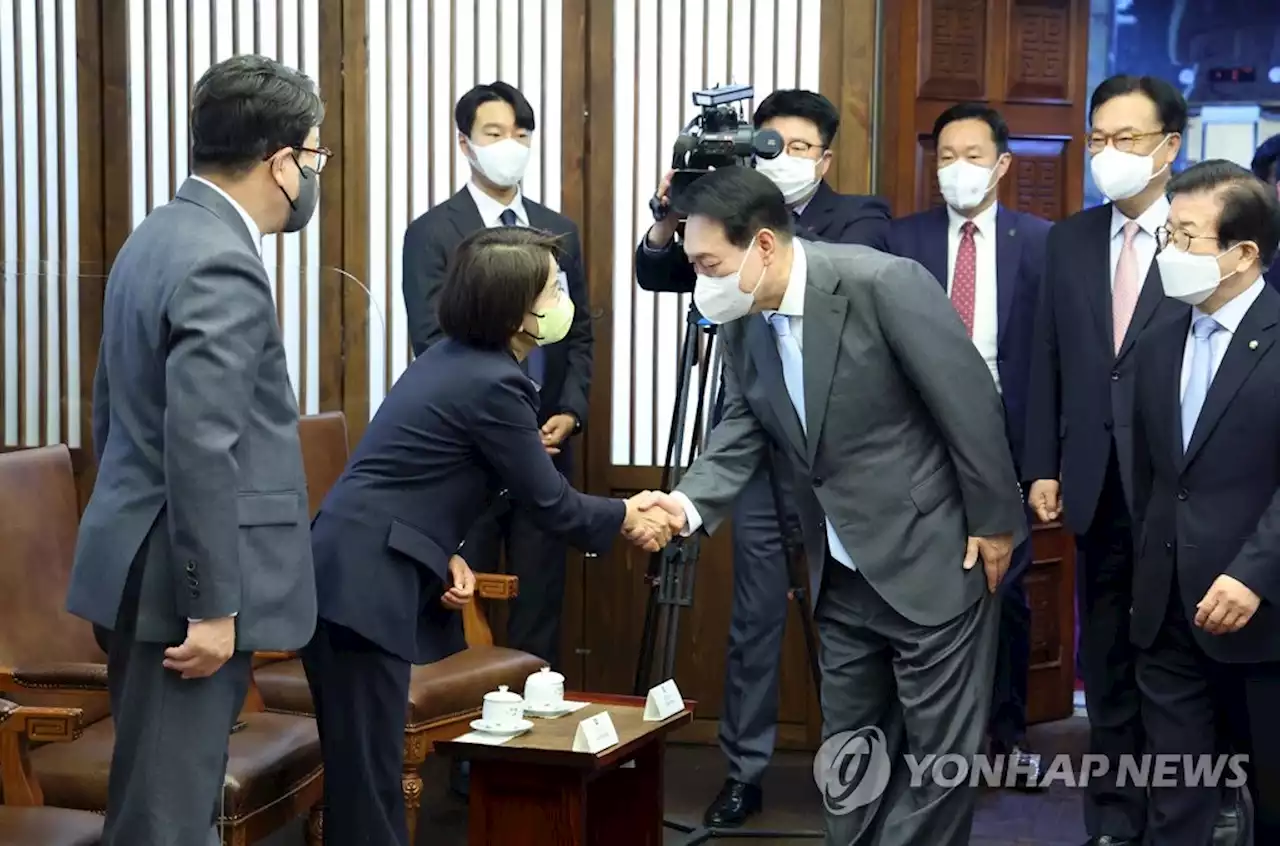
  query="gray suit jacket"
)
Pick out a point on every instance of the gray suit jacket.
point(906, 449)
point(200, 506)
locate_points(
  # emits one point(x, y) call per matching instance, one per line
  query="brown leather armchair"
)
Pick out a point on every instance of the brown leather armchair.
point(48, 657)
point(444, 696)
point(23, 819)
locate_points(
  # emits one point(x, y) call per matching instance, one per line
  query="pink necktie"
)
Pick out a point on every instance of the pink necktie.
point(1124, 296)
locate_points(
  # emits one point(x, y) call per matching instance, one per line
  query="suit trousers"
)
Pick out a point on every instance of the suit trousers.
point(921, 690)
point(1008, 724)
point(1193, 705)
point(757, 624)
point(170, 757)
point(360, 694)
point(1104, 595)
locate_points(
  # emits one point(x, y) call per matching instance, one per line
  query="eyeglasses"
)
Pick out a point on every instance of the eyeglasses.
point(322, 154)
point(1122, 141)
point(802, 148)
point(1180, 239)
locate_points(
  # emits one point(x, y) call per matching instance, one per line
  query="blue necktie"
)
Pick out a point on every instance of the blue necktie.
point(1203, 329)
point(534, 363)
point(793, 376)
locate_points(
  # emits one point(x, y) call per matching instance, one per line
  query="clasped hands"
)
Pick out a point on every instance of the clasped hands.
point(652, 518)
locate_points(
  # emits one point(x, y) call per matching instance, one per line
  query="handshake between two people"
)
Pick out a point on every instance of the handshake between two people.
point(652, 518)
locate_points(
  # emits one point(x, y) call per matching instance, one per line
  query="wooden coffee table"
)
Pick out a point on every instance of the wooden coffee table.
point(534, 790)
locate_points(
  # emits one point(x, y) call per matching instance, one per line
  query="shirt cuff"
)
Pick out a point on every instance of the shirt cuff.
point(651, 250)
point(201, 619)
point(692, 519)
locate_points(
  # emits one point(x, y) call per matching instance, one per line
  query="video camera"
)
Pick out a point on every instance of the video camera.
point(720, 136)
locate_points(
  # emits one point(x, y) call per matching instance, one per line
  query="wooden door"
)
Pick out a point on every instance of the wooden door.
point(1026, 58)
point(644, 61)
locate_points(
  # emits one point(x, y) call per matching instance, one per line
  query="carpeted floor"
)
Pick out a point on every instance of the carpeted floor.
point(694, 774)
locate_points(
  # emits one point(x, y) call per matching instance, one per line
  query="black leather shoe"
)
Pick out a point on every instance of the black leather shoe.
point(1108, 840)
point(1233, 825)
point(1022, 767)
point(736, 802)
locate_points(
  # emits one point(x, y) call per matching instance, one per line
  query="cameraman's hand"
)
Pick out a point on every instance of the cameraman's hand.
point(662, 231)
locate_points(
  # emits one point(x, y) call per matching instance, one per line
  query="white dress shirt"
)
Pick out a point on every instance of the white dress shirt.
point(254, 231)
point(1228, 317)
point(792, 306)
point(1144, 242)
point(986, 311)
point(491, 210)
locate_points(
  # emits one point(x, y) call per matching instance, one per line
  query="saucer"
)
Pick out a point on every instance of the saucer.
point(504, 731)
point(556, 711)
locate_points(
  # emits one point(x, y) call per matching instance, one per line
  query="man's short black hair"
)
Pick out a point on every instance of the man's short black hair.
point(246, 108)
point(741, 199)
point(464, 114)
point(1264, 161)
point(1170, 104)
point(494, 279)
point(974, 111)
point(796, 102)
point(1250, 208)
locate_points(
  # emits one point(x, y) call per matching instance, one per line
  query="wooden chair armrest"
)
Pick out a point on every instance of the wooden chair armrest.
point(20, 724)
point(39, 723)
point(261, 659)
point(497, 586)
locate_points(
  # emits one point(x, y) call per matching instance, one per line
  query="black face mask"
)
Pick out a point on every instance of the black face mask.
point(303, 207)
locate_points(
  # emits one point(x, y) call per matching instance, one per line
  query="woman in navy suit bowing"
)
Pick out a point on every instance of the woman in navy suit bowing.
point(459, 426)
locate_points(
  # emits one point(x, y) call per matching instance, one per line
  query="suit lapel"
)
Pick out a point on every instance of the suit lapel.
point(1248, 345)
point(763, 350)
point(824, 316)
point(817, 214)
point(1008, 257)
point(935, 243)
point(1168, 382)
point(1096, 275)
point(1149, 299)
point(464, 214)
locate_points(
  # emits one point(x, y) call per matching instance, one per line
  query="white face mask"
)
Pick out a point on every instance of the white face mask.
point(720, 299)
point(1120, 176)
point(503, 162)
point(1189, 277)
point(795, 176)
point(964, 185)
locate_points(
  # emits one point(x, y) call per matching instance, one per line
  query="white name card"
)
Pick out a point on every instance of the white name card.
point(595, 734)
point(664, 701)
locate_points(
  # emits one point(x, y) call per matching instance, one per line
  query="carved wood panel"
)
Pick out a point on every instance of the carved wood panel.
point(1035, 183)
point(953, 61)
point(1039, 65)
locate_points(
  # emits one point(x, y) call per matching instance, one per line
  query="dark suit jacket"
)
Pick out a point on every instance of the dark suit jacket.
point(429, 244)
point(1081, 392)
point(459, 425)
point(1020, 243)
point(832, 217)
point(1216, 509)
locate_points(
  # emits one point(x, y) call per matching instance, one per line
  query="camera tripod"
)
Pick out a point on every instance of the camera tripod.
point(671, 571)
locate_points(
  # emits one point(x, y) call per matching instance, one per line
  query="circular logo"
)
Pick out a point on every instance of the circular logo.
point(852, 769)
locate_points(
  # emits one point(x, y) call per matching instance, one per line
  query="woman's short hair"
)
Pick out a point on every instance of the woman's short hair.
point(494, 279)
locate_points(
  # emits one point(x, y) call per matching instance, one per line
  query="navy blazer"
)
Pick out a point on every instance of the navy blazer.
point(1212, 509)
point(1080, 403)
point(1020, 242)
point(459, 426)
point(832, 217)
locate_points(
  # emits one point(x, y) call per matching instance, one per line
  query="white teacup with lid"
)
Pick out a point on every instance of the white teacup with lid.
point(544, 691)
point(502, 709)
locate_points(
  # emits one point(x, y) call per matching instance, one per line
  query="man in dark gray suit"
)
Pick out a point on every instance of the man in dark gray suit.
point(855, 364)
point(193, 551)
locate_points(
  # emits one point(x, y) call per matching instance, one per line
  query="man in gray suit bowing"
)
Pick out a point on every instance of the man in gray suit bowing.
point(194, 551)
point(857, 366)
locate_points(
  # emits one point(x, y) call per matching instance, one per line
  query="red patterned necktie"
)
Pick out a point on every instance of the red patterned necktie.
point(964, 283)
